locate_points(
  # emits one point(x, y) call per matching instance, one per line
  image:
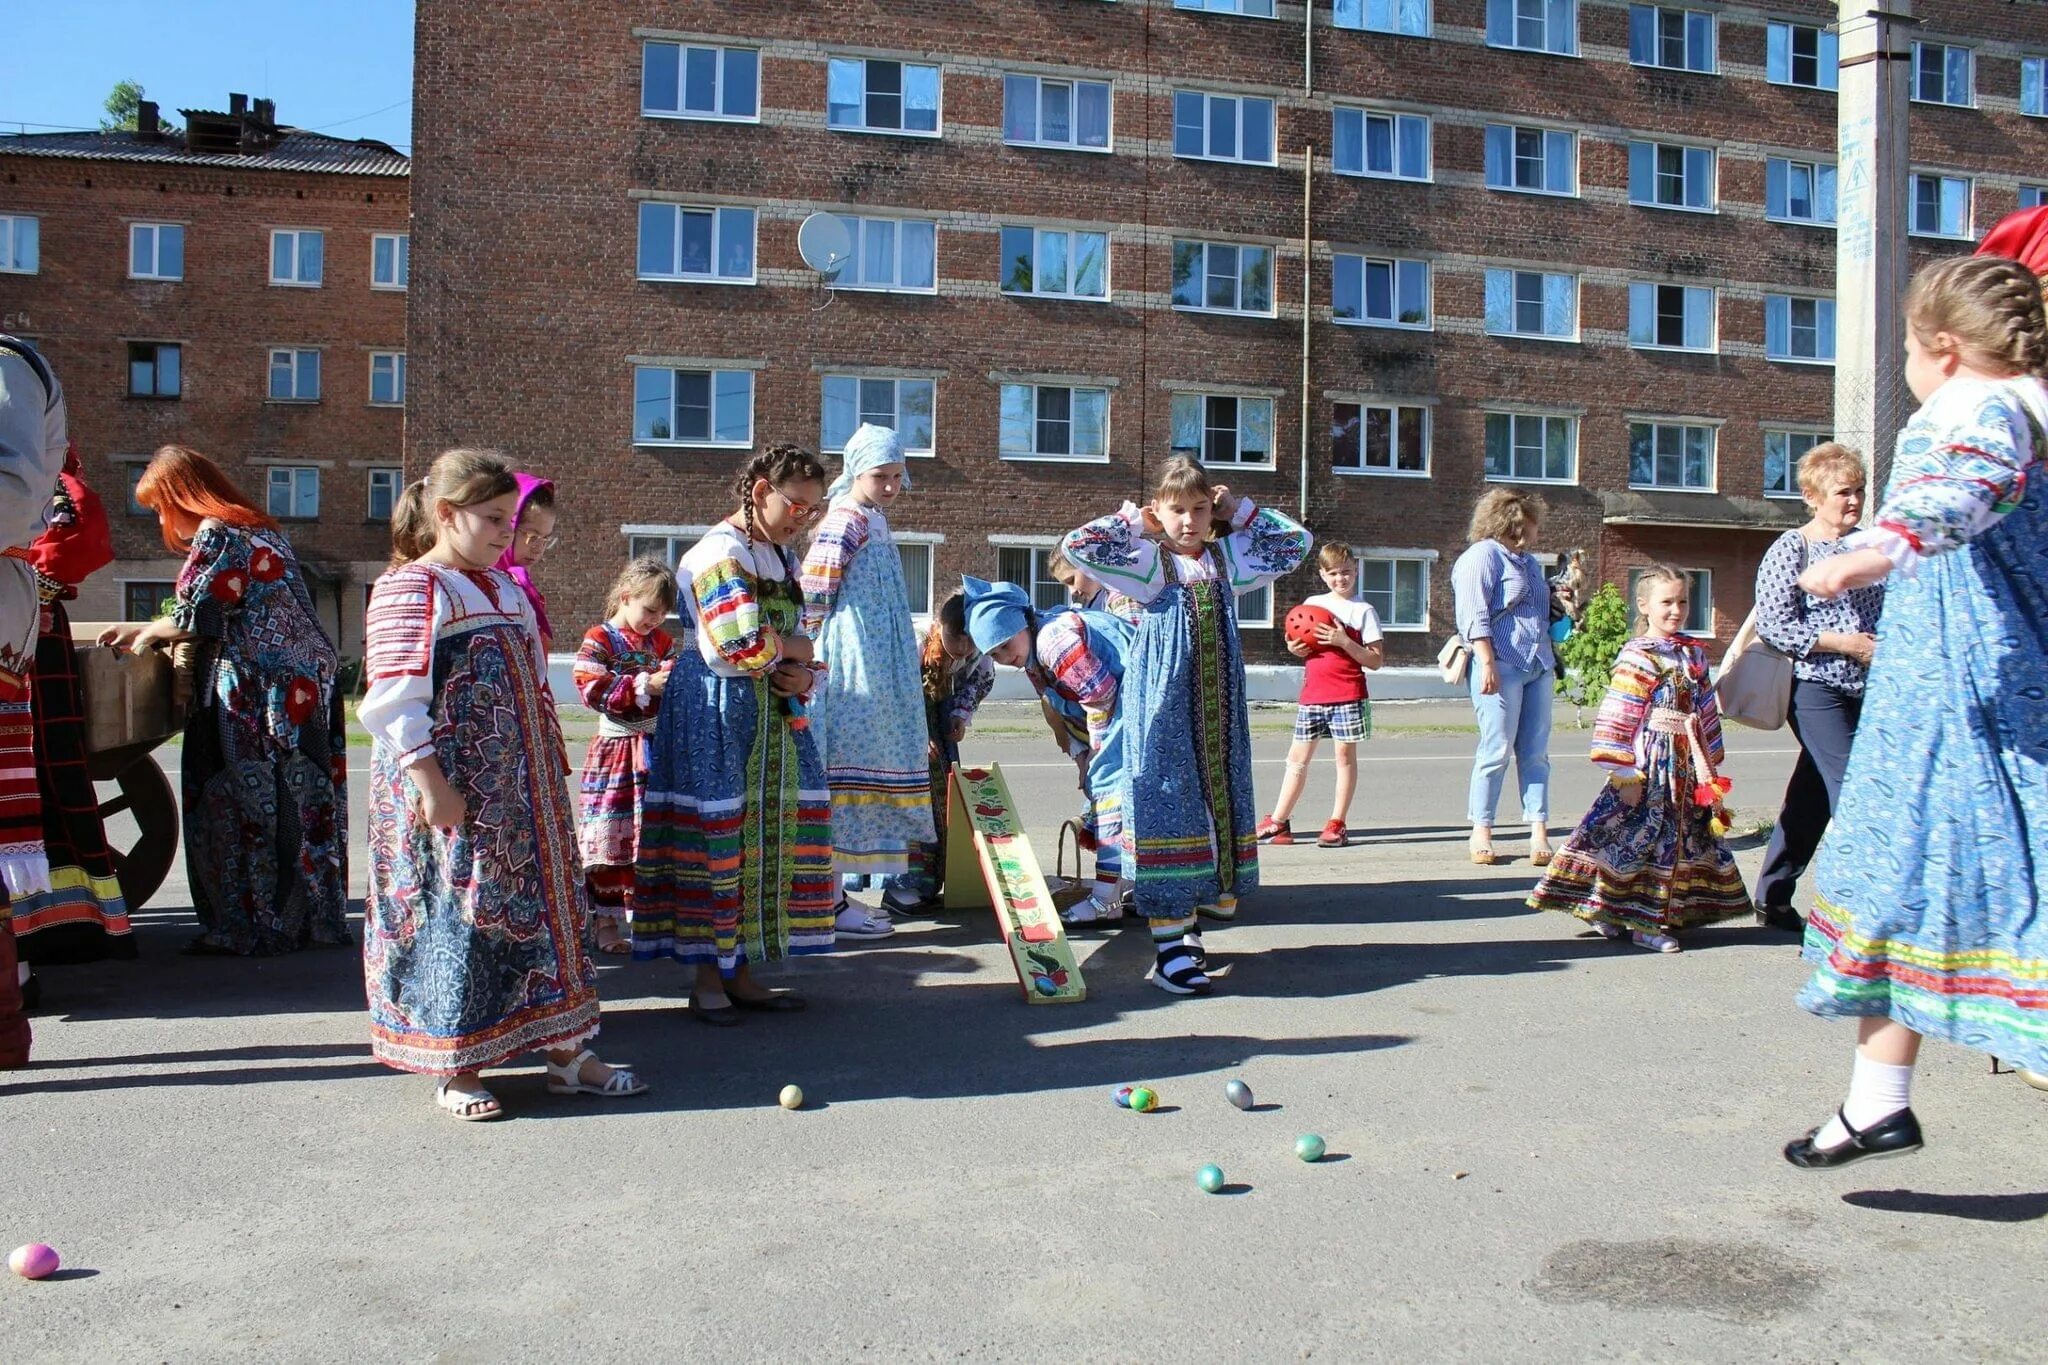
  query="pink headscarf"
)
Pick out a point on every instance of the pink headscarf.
point(529, 484)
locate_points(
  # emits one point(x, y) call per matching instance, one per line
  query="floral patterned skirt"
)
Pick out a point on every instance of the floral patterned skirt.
point(1654, 868)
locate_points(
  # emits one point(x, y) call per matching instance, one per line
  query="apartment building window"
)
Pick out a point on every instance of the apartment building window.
point(1373, 292)
point(1397, 589)
point(390, 260)
point(693, 407)
point(1252, 9)
point(297, 257)
point(294, 492)
point(1670, 317)
point(902, 405)
point(1028, 566)
point(1527, 448)
point(1941, 206)
point(1055, 263)
point(1384, 146)
point(2033, 196)
point(135, 471)
point(1408, 17)
point(156, 251)
point(1530, 303)
point(1380, 438)
point(1942, 74)
point(870, 95)
point(1054, 422)
point(1534, 25)
point(1664, 175)
point(1255, 608)
point(1671, 455)
point(2034, 87)
point(1221, 430)
point(384, 485)
point(1041, 112)
point(1783, 450)
point(914, 556)
point(891, 254)
point(1802, 55)
point(1533, 160)
point(1799, 191)
point(1801, 329)
point(387, 379)
point(294, 376)
point(714, 246)
point(155, 369)
point(19, 252)
point(142, 598)
point(1675, 39)
point(1223, 127)
point(682, 80)
point(1217, 277)
point(1699, 604)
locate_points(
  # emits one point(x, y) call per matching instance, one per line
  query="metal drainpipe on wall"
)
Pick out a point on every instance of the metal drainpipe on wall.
point(1308, 166)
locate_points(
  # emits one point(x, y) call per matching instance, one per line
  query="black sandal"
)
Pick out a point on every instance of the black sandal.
point(1894, 1135)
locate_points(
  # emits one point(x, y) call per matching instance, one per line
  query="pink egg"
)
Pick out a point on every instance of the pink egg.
point(34, 1261)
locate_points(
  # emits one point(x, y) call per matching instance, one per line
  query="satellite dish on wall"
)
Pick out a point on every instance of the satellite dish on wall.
point(824, 243)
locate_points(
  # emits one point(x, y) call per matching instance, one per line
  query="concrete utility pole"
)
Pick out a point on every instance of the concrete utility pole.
point(1871, 209)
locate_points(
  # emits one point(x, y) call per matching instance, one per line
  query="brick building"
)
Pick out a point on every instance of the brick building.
point(1576, 244)
point(239, 288)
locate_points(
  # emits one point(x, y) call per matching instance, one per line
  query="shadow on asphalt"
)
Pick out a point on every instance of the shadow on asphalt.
point(1978, 1208)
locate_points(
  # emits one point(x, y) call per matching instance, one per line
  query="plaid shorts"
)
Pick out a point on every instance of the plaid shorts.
point(1347, 722)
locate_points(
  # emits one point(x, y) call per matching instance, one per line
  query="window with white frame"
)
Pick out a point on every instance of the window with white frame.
point(1532, 160)
point(1380, 438)
point(1798, 328)
point(1408, 17)
point(1222, 430)
point(1253, 9)
point(1029, 567)
point(1531, 448)
point(141, 598)
point(1255, 608)
point(2033, 196)
point(1670, 317)
point(1531, 303)
point(1219, 277)
point(706, 244)
point(156, 251)
point(1799, 191)
point(872, 95)
point(155, 369)
point(1801, 54)
point(2034, 87)
point(20, 253)
point(1668, 176)
point(1942, 74)
point(1675, 39)
point(1385, 146)
point(1699, 593)
point(390, 260)
point(692, 407)
point(387, 379)
point(1055, 263)
point(1223, 127)
point(1054, 422)
point(1675, 455)
point(1941, 206)
point(1039, 111)
point(1397, 589)
point(297, 257)
point(294, 376)
point(294, 492)
point(914, 553)
point(1375, 292)
point(1534, 25)
point(902, 405)
point(899, 254)
point(383, 488)
point(688, 80)
point(1784, 448)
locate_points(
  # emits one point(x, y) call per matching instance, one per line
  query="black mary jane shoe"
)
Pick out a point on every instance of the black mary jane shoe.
point(725, 1016)
point(1780, 917)
point(780, 1002)
point(1895, 1135)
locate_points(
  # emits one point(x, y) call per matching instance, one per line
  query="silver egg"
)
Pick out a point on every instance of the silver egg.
point(1239, 1094)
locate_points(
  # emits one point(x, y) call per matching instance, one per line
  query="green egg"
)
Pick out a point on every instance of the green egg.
point(1210, 1178)
point(1309, 1147)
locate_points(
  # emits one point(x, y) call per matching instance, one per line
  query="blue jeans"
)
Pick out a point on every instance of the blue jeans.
point(1517, 717)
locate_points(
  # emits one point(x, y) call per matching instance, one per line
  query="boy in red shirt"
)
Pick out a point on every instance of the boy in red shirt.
point(1333, 696)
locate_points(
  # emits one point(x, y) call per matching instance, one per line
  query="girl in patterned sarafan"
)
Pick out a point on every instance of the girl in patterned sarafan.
point(1931, 908)
point(473, 943)
point(264, 767)
point(1187, 788)
point(735, 862)
point(622, 667)
point(1649, 859)
point(870, 706)
point(957, 679)
point(533, 535)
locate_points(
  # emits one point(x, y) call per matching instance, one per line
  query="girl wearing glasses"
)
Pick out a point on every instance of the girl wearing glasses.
point(533, 535)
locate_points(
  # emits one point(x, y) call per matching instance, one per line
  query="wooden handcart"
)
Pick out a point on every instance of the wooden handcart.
point(133, 703)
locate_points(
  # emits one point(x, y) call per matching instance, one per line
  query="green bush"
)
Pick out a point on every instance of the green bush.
point(1588, 656)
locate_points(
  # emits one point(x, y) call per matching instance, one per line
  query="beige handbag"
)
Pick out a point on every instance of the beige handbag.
point(1454, 660)
point(1754, 686)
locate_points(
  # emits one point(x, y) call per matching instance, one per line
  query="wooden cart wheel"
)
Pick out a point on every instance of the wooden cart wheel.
point(145, 795)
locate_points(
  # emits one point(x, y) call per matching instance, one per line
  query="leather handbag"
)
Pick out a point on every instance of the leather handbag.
point(1754, 685)
point(1454, 660)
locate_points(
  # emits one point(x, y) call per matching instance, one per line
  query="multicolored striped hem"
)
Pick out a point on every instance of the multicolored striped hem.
point(1647, 902)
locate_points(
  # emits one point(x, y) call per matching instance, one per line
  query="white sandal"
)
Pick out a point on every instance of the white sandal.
point(467, 1106)
point(567, 1079)
point(1656, 943)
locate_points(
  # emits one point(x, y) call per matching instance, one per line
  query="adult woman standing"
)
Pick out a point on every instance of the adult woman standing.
point(265, 770)
point(1502, 604)
point(1831, 643)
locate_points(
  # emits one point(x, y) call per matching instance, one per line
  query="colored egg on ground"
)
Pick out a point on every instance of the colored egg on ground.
point(34, 1261)
point(1210, 1178)
point(792, 1097)
point(1122, 1096)
point(1239, 1094)
point(1144, 1100)
point(1309, 1147)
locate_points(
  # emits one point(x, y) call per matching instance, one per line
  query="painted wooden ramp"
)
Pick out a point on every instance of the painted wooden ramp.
point(990, 864)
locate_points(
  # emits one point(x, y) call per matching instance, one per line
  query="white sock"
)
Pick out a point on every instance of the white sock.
point(22, 973)
point(1877, 1090)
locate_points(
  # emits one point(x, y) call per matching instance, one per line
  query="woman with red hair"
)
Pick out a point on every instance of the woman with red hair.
point(265, 768)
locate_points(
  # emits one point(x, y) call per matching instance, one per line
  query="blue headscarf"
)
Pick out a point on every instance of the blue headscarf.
point(866, 449)
point(995, 611)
